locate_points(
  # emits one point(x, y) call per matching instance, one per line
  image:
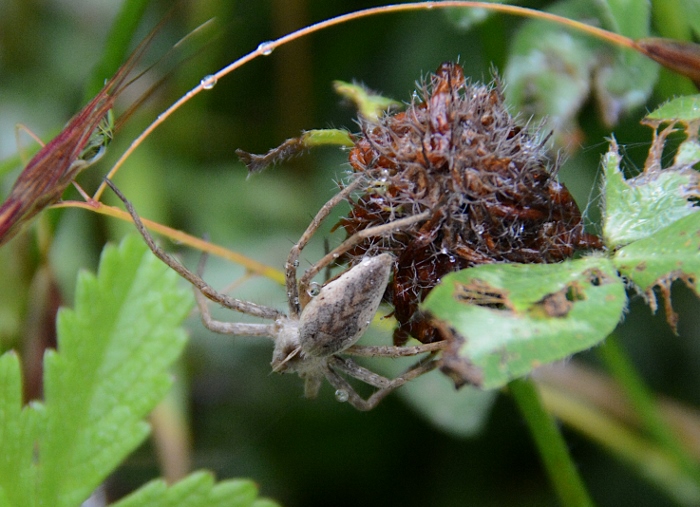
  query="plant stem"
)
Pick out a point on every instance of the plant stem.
point(644, 404)
point(552, 448)
point(652, 462)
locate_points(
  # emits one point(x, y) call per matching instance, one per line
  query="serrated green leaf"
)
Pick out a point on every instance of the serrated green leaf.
point(671, 253)
point(684, 109)
point(4, 500)
point(507, 319)
point(110, 369)
point(10, 410)
point(641, 206)
point(17, 432)
point(195, 490)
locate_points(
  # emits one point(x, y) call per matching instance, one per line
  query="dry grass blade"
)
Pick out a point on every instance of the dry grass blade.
point(80, 144)
point(679, 56)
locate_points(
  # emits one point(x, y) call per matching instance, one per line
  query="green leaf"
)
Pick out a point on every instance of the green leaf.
point(465, 19)
point(118, 40)
point(628, 17)
point(19, 427)
point(691, 9)
point(369, 104)
point(684, 109)
point(110, 369)
point(197, 489)
point(548, 72)
point(624, 79)
point(461, 413)
point(504, 320)
point(672, 253)
point(552, 71)
point(326, 137)
point(639, 207)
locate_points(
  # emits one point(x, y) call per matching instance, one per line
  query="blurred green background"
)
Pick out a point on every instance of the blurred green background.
point(244, 420)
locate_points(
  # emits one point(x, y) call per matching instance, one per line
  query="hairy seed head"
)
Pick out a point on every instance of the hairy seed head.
point(487, 181)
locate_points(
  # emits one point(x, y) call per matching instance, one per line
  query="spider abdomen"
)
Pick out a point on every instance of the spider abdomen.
point(341, 312)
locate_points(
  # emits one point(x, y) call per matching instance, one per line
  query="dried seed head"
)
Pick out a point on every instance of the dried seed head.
point(457, 152)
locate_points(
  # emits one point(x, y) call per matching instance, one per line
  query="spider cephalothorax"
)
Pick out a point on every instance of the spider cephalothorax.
point(486, 181)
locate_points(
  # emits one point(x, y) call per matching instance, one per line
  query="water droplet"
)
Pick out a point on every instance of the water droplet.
point(314, 289)
point(342, 395)
point(266, 47)
point(296, 263)
point(296, 301)
point(335, 255)
point(208, 82)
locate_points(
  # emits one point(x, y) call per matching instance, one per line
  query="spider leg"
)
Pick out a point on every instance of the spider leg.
point(393, 351)
point(293, 259)
point(352, 369)
point(355, 239)
point(312, 384)
point(206, 289)
point(232, 328)
point(343, 387)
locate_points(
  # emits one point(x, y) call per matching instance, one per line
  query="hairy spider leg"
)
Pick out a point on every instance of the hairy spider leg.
point(329, 367)
point(343, 387)
point(290, 267)
point(207, 290)
point(355, 239)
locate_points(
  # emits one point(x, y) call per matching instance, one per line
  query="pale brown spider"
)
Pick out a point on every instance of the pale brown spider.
point(322, 328)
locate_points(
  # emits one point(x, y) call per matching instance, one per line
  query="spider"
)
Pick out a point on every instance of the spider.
point(323, 325)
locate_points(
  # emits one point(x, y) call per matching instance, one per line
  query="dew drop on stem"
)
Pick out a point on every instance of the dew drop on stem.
point(266, 47)
point(314, 289)
point(208, 82)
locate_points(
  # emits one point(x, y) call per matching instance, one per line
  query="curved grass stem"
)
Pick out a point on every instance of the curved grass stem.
point(180, 237)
